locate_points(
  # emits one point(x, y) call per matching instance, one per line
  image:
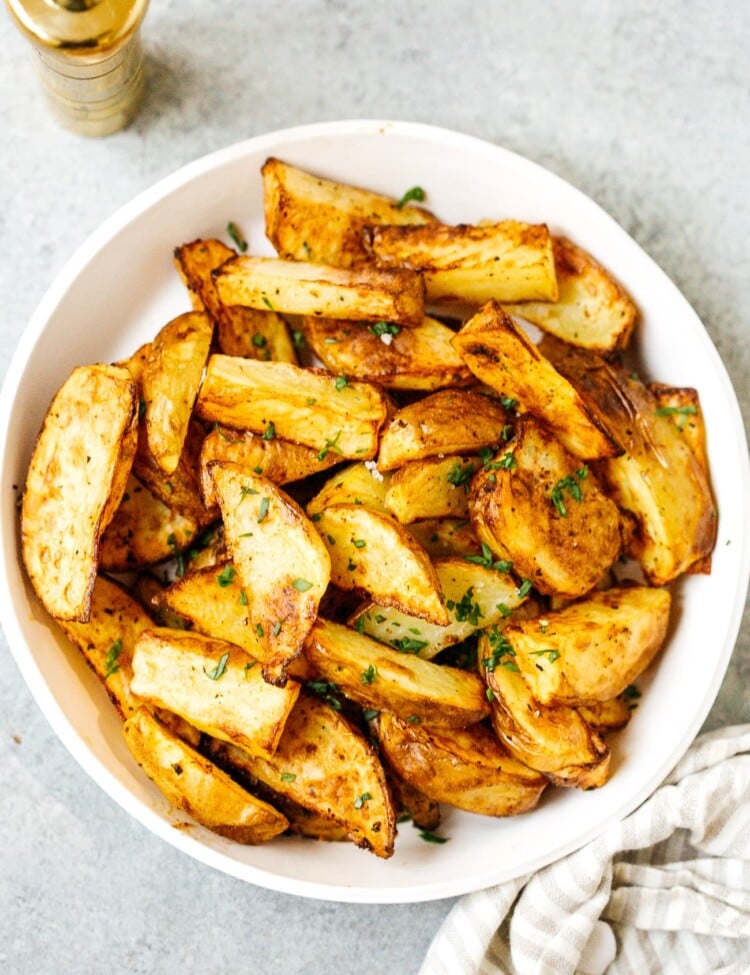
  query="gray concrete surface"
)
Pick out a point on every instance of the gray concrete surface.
point(645, 107)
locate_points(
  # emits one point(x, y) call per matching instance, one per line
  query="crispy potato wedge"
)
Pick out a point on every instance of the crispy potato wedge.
point(501, 355)
point(309, 218)
point(658, 479)
point(593, 649)
point(198, 787)
point(463, 767)
point(369, 550)
point(169, 384)
point(592, 310)
point(323, 763)
point(179, 491)
point(214, 685)
point(604, 716)
point(108, 638)
point(305, 407)
point(215, 603)
point(303, 288)
point(443, 537)
point(475, 597)
point(451, 421)
point(358, 484)
point(281, 461)
point(75, 481)
point(380, 677)
point(545, 513)
point(282, 563)
point(143, 531)
point(506, 261)
point(246, 332)
point(432, 488)
point(419, 358)
point(555, 741)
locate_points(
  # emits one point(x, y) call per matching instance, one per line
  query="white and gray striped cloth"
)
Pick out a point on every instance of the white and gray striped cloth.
point(666, 891)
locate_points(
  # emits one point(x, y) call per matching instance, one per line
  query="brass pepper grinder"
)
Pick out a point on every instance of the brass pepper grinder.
point(89, 58)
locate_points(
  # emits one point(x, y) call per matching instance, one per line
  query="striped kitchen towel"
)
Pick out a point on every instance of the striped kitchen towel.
point(665, 891)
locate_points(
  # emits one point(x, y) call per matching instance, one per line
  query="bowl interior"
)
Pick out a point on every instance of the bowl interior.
point(121, 287)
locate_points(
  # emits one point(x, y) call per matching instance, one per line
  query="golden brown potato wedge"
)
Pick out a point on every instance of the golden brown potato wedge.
point(538, 507)
point(196, 786)
point(371, 551)
point(592, 310)
point(432, 488)
point(360, 484)
point(323, 763)
point(213, 600)
point(75, 481)
point(381, 352)
point(501, 355)
point(443, 537)
point(555, 741)
point(658, 479)
point(281, 561)
point(324, 412)
point(506, 261)
point(143, 531)
point(281, 461)
point(309, 218)
point(593, 649)
point(380, 677)
point(303, 288)
point(451, 421)
point(246, 332)
point(463, 767)
point(169, 384)
point(476, 596)
point(214, 685)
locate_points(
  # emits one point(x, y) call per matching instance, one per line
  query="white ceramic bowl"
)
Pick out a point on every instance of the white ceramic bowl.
point(121, 286)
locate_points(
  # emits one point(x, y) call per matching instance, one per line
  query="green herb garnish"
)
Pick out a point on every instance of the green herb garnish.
point(110, 663)
point(414, 193)
point(236, 234)
point(219, 669)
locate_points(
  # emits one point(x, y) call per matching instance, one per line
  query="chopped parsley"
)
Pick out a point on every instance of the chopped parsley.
point(327, 690)
point(369, 675)
point(245, 490)
point(110, 663)
point(525, 588)
point(414, 193)
point(572, 486)
point(219, 669)
point(489, 694)
point(180, 558)
point(384, 328)
point(466, 610)
point(302, 585)
point(460, 475)
point(263, 510)
point(429, 837)
point(370, 714)
point(270, 432)
point(409, 645)
point(298, 339)
point(551, 654)
point(226, 576)
point(236, 234)
point(359, 542)
point(225, 436)
point(689, 410)
point(330, 445)
point(341, 383)
point(487, 560)
point(361, 800)
point(499, 648)
point(258, 630)
point(276, 628)
point(288, 776)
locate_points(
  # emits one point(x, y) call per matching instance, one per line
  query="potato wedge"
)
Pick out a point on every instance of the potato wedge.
point(396, 358)
point(451, 421)
point(309, 218)
point(506, 261)
point(303, 288)
point(369, 550)
point(246, 332)
point(592, 310)
point(360, 484)
point(75, 481)
point(500, 354)
point(658, 479)
point(546, 513)
point(198, 787)
point(281, 461)
point(432, 488)
point(305, 407)
point(464, 767)
point(214, 685)
point(169, 384)
point(143, 531)
point(555, 741)
point(380, 677)
point(444, 537)
point(593, 649)
point(215, 603)
point(476, 596)
point(282, 564)
point(323, 763)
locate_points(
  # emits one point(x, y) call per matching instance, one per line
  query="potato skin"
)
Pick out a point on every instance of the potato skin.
point(513, 510)
point(467, 768)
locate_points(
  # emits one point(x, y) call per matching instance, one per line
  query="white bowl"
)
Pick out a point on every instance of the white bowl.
point(121, 286)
